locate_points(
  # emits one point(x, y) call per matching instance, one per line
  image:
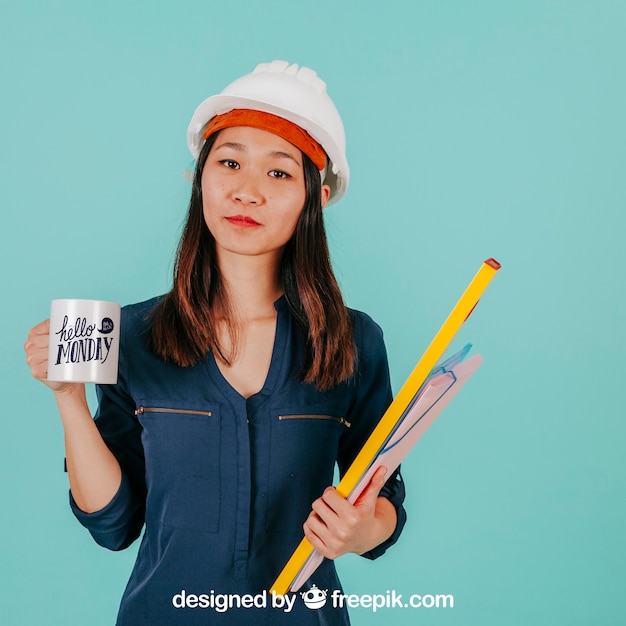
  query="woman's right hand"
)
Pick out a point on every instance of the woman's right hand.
point(94, 472)
point(36, 348)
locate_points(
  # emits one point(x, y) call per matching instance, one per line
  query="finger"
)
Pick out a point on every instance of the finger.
point(324, 511)
point(315, 523)
point(43, 328)
point(346, 516)
point(370, 493)
point(314, 539)
point(338, 513)
point(35, 349)
point(39, 369)
point(38, 335)
point(338, 504)
point(333, 533)
point(379, 476)
point(35, 354)
point(319, 537)
point(315, 528)
point(331, 497)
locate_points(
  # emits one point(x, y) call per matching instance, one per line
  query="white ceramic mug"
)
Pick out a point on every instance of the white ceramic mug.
point(84, 341)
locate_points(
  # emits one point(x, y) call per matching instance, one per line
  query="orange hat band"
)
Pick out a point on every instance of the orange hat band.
point(279, 126)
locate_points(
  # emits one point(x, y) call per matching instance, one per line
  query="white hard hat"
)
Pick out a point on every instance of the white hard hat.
point(293, 93)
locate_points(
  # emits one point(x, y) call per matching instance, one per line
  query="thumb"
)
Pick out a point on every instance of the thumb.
point(370, 493)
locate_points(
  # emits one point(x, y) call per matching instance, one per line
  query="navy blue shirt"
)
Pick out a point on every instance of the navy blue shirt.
point(223, 483)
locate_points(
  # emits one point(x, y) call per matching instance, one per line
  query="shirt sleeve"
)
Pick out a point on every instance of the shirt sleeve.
point(119, 523)
point(372, 397)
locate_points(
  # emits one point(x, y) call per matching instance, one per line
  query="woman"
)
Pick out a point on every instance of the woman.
point(241, 388)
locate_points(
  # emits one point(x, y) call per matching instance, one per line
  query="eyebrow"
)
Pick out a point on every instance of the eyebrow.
point(240, 147)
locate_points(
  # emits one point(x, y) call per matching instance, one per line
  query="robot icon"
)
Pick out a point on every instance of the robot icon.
point(314, 598)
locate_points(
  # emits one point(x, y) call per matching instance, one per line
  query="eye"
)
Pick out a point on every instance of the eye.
point(279, 174)
point(230, 164)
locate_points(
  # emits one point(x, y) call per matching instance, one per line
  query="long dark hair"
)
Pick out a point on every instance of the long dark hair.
point(185, 322)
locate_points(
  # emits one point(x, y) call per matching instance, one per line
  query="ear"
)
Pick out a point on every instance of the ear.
point(325, 194)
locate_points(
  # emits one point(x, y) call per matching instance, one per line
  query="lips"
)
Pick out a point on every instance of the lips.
point(242, 220)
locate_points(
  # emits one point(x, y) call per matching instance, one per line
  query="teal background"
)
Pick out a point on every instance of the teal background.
point(475, 129)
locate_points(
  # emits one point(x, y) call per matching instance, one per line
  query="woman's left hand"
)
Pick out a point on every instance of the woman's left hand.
point(336, 527)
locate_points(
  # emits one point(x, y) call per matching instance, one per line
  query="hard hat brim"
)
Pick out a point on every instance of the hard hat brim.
point(337, 171)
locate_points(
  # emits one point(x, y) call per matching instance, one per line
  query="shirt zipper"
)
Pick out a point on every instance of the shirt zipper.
point(332, 418)
point(142, 409)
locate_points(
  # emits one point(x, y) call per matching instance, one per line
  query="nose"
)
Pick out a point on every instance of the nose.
point(248, 190)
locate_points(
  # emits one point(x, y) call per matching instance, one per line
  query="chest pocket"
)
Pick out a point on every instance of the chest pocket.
point(303, 453)
point(182, 452)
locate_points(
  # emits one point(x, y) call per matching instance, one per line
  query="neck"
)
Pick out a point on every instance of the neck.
point(253, 283)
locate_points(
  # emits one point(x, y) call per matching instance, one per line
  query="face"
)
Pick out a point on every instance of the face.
point(253, 192)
